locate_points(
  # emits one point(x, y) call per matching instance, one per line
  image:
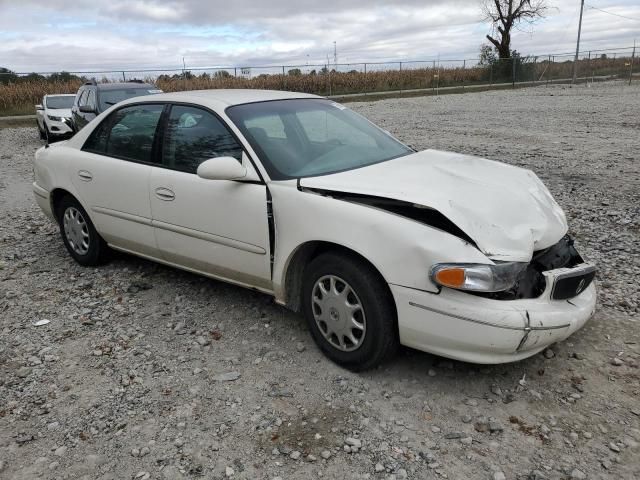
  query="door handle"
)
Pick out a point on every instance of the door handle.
point(165, 194)
point(84, 175)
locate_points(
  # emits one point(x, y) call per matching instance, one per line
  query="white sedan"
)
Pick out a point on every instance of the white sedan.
point(53, 116)
point(299, 197)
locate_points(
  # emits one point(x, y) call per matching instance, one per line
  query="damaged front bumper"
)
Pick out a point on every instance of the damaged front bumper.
point(477, 329)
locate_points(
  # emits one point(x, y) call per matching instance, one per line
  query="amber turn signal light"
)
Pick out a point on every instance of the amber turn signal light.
point(450, 277)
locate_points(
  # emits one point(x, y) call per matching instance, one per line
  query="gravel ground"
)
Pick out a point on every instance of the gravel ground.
point(145, 372)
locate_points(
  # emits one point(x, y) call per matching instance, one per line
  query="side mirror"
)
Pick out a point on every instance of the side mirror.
point(221, 168)
point(39, 107)
point(86, 109)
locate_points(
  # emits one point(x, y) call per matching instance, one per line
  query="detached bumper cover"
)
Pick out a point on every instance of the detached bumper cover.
point(481, 330)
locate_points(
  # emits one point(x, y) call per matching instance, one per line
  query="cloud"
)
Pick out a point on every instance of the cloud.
point(144, 10)
point(129, 34)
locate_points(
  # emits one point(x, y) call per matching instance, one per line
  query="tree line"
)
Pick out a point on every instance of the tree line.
point(7, 76)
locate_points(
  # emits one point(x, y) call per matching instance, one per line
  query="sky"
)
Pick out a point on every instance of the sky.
point(88, 35)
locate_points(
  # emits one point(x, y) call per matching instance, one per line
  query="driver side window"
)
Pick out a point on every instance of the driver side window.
point(194, 135)
point(91, 99)
point(83, 98)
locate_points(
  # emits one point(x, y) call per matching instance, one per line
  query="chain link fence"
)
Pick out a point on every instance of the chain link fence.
point(19, 91)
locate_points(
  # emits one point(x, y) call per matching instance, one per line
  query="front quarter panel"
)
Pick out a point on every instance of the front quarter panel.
point(402, 250)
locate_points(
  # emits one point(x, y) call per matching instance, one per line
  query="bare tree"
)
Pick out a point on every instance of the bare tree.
point(507, 14)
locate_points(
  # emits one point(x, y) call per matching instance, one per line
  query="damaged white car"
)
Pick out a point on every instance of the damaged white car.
point(299, 197)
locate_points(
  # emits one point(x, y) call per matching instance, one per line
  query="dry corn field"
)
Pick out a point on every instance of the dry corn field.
point(17, 98)
point(20, 97)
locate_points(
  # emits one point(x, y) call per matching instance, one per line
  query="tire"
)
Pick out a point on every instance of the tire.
point(361, 285)
point(83, 242)
point(40, 132)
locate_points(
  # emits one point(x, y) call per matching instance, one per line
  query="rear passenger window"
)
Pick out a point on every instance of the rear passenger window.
point(127, 133)
point(97, 141)
point(194, 135)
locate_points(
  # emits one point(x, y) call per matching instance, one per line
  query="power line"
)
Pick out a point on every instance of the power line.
point(614, 14)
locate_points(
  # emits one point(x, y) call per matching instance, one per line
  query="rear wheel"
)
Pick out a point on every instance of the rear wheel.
point(83, 242)
point(349, 310)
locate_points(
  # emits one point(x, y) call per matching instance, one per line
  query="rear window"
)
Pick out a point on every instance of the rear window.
point(111, 97)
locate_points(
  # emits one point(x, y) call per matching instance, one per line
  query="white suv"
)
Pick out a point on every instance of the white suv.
point(54, 116)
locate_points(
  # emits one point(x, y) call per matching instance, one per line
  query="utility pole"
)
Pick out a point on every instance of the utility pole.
point(633, 56)
point(335, 55)
point(575, 60)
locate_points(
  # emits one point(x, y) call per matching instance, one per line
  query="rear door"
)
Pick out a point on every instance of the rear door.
point(218, 227)
point(111, 174)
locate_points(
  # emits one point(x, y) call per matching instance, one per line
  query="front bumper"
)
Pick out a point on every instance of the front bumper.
point(59, 129)
point(475, 329)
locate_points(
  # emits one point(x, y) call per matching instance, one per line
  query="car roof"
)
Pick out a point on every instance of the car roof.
point(121, 85)
point(227, 97)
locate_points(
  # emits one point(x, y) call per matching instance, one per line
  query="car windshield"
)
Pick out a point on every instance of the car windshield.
point(111, 97)
point(309, 137)
point(61, 101)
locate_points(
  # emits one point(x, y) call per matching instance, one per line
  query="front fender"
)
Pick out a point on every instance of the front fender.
point(402, 250)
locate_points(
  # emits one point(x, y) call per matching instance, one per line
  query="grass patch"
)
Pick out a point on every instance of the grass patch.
point(24, 109)
point(18, 123)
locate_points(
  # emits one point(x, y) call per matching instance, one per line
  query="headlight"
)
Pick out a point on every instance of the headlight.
point(54, 118)
point(477, 277)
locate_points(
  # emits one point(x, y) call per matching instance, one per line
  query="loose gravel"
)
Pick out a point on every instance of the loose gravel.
point(146, 372)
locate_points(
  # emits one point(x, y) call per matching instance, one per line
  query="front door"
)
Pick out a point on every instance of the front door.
point(86, 98)
point(112, 174)
point(217, 227)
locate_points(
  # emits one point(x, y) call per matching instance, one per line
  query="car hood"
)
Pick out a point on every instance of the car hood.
point(507, 211)
point(59, 112)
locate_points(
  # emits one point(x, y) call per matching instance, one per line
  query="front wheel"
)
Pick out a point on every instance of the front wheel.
point(350, 311)
point(83, 242)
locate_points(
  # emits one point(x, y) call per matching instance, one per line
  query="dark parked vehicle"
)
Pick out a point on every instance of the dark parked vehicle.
point(94, 98)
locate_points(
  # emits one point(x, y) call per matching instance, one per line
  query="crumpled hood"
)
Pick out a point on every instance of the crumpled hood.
point(506, 210)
